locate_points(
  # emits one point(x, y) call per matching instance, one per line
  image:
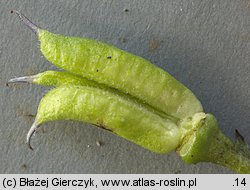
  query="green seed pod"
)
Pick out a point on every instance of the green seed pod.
point(116, 68)
point(57, 78)
point(110, 111)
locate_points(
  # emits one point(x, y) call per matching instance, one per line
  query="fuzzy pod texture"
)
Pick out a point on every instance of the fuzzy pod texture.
point(58, 78)
point(109, 111)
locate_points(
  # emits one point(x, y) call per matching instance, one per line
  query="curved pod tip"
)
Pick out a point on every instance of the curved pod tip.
point(31, 132)
point(26, 21)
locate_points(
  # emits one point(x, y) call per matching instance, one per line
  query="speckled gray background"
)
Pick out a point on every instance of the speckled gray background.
point(204, 44)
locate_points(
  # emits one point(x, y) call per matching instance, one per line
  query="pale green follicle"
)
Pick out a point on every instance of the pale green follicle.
point(107, 110)
point(56, 78)
point(121, 70)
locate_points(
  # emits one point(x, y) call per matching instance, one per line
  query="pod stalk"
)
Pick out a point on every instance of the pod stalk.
point(207, 143)
point(27, 22)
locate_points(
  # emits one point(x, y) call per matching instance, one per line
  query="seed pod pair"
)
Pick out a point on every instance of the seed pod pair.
point(129, 96)
point(77, 98)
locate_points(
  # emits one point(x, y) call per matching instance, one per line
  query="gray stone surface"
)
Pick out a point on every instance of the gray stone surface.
point(204, 44)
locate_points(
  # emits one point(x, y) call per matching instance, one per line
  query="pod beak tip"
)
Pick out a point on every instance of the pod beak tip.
point(26, 21)
point(30, 134)
point(30, 147)
point(14, 11)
